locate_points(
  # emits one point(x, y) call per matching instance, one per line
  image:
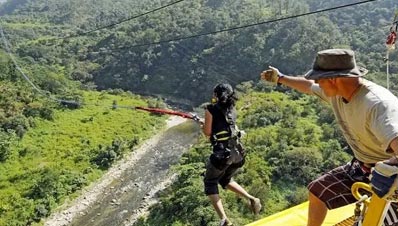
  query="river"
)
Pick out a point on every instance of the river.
point(129, 188)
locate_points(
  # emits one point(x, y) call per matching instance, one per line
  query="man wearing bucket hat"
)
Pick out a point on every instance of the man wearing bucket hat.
point(368, 117)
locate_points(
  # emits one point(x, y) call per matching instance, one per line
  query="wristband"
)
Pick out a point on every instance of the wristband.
point(279, 78)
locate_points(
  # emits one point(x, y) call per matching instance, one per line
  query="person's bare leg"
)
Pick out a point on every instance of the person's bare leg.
point(317, 211)
point(217, 204)
point(235, 187)
point(255, 204)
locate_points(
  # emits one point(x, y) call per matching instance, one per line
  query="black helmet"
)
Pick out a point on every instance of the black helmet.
point(223, 92)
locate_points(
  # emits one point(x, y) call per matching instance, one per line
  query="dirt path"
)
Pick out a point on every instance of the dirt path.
point(127, 190)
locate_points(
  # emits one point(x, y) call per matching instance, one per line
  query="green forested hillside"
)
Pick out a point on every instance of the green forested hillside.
point(105, 58)
point(49, 151)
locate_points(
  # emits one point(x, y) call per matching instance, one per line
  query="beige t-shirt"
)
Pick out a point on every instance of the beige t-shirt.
point(369, 121)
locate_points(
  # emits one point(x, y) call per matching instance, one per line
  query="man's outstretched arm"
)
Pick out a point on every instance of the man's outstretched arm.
point(300, 84)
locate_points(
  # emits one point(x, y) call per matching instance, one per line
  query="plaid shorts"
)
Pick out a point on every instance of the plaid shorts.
point(334, 188)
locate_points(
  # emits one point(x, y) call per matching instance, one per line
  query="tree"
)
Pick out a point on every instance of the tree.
point(6, 140)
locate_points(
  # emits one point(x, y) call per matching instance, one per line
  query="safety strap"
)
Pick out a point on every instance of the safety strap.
point(226, 135)
point(222, 136)
point(231, 123)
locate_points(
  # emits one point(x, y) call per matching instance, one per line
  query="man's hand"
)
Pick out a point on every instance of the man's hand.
point(201, 122)
point(384, 181)
point(271, 75)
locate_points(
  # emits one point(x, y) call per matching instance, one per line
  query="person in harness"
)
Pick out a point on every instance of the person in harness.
point(228, 153)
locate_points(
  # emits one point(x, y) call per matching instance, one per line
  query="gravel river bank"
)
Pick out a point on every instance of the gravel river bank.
point(127, 190)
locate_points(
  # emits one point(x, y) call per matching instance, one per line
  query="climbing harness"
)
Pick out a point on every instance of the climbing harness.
point(390, 44)
point(231, 136)
point(232, 132)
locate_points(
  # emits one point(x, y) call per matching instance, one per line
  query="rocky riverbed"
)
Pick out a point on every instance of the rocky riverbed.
point(127, 190)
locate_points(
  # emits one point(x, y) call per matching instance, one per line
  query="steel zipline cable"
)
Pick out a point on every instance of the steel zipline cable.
point(179, 38)
point(120, 21)
point(8, 49)
point(240, 27)
point(186, 115)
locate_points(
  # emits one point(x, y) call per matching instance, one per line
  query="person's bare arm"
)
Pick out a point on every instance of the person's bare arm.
point(383, 172)
point(207, 124)
point(394, 148)
point(298, 83)
point(394, 145)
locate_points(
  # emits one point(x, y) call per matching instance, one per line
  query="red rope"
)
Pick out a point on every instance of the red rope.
point(391, 38)
point(169, 112)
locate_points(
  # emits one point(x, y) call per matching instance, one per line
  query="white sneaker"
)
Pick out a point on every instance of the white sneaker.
point(225, 222)
point(255, 205)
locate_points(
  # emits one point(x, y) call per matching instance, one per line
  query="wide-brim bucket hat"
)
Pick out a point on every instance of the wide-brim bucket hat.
point(332, 63)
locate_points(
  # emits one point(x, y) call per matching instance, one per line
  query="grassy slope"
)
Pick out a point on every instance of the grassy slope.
point(66, 144)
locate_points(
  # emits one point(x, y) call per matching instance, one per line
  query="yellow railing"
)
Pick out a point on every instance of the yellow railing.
point(372, 213)
point(375, 207)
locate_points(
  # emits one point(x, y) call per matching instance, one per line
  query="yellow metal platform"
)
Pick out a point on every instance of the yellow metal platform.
point(297, 216)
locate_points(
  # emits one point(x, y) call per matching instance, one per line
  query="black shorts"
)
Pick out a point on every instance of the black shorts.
point(221, 172)
point(215, 176)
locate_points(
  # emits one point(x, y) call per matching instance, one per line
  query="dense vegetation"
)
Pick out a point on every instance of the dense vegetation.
point(64, 146)
point(49, 151)
point(105, 58)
